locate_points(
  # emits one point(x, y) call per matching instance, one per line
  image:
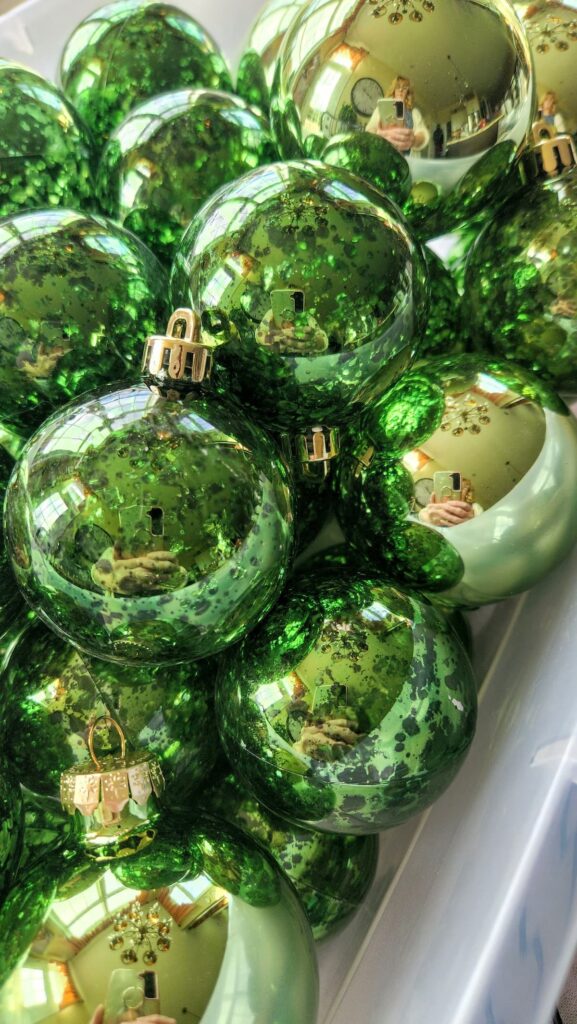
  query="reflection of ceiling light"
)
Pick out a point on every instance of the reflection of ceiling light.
point(464, 414)
point(553, 32)
point(397, 9)
point(133, 928)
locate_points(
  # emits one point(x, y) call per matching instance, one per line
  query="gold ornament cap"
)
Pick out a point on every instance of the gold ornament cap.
point(315, 450)
point(104, 787)
point(549, 155)
point(176, 362)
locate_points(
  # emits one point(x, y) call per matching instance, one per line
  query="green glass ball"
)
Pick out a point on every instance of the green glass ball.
point(129, 50)
point(523, 306)
point(551, 29)
point(171, 154)
point(45, 150)
point(350, 708)
point(331, 873)
point(54, 693)
point(150, 530)
point(267, 33)
point(456, 513)
point(11, 825)
point(79, 297)
point(462, 70)
point(445, 333)
point(10, 599)
point(320, 287)
point(250, 946)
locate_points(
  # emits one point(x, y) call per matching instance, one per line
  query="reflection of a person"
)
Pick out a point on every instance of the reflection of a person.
point(153, 1018)
point(452, 512)
point(438, 141)
point(549, 114)
point(410, 136)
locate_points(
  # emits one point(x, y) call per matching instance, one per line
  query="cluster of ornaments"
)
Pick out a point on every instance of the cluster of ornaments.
point(223, 321)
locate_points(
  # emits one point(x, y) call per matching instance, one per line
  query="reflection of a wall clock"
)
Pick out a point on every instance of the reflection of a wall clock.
point(365, 95)
point(326, 124)
point(423, 492)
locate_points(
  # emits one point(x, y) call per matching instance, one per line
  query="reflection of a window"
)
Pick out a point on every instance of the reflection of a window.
point(98, 903)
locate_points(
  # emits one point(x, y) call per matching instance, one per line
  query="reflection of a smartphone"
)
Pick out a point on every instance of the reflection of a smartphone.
point(151, 992)
point(125, 997)
point(391, 111)
point(285, 304)
point(447, 486)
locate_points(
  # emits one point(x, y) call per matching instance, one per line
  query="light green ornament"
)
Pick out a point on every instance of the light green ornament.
point(45, 150)
point(170, 154)
point(448, 84)
point(130, 50)
point(257, 63)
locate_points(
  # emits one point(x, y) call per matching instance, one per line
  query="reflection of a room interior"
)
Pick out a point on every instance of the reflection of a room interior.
point(408, 134)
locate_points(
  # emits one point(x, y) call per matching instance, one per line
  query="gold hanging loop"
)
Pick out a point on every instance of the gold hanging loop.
point(91, 731)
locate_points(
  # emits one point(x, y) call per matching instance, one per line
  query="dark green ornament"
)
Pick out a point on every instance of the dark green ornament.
point(10, 598)
point(372, 159)
point(453, 510)
point(151, 529)
point(350, 708)
point(79, 295)
point(11, 825)
point(50, 835)
point(54, 693)
point(170, 154)
point(523, 304)
point(446, 332)
point(45, 150)
point(231, 911)
point(331, 873)
point(130, 50)
point(258, 60)
point(320, 287)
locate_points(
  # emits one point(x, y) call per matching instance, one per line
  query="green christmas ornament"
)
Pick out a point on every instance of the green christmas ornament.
point(130, 50)
point(319, 287)
point(150, 529)
point(457, 512)
point(170, 154)
point(10, 599)
point(551, 28)
point(54, 693)
point(523, 306)
point(257, 63)
point(350, 708)
point(79, 295)
point(133, 947)
point(11, 825)
point(45, 151)
point(331, 873)
point(49, 834)
point(367, 155)
point(448, 84)
point(445, 333)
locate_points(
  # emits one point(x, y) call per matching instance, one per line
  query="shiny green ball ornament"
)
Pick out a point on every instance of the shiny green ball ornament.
point(127, 51)
point(460, 71)
point(350, 708)
point(11, 825)
point(257, 63)
point(551, 28)
point(45, 150)
point(133, 944)
point(523, 305)
point(456, 513)
point(10, 598)
point(151, 529)
point(445, 333)
point(319, 287)
point(79, 295)
point(54, 693)
point(331, 873)
point(170, 154)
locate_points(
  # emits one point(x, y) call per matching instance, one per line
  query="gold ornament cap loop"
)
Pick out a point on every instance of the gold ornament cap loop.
point(92, 729)
point(315, 450)
point(549, 155)
point(177, 361)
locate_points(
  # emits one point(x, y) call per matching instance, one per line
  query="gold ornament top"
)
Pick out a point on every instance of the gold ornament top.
point(550, 154)
point(106, 785)
point(181, 358)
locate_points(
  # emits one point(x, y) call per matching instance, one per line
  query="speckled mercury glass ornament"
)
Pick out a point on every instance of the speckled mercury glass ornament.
point(229, 931)
point(10, 599)
point(319, 286)
point(45, 151)
point(53, 693)
point(130, 50)
point(521, 280)
point(481, 500)
point(170, 154)
point(79, 295)
point(351, 708)
point(147, 528)
point(460, 71)
point(331, 873)
point(445, 333)
point(11, 826)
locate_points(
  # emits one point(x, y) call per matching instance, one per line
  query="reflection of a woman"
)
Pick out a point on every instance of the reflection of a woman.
point(549, 114)
point(452, 512)
point(410, 136)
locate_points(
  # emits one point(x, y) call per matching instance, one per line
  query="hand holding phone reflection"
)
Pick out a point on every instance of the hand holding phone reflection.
point(446, 513)
point(153, 1018)
point(401, 138)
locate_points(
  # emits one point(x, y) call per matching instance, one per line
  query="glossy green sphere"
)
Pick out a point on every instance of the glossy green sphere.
point(129, 50)
point(170, 154)
point(214, 939)
point(460, 69)
point(45, 151)
point(54, 693)
point(350, 708)
point(484, 472)
point(11, 824)
point(320, 287)
point(150, 530)
point(445, 333)
point(331, 873)
point(258, 60)
point(523, 305)
point(79, 295)
point(10, 599)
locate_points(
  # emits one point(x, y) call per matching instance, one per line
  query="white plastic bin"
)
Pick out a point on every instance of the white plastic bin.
point(473, 915)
